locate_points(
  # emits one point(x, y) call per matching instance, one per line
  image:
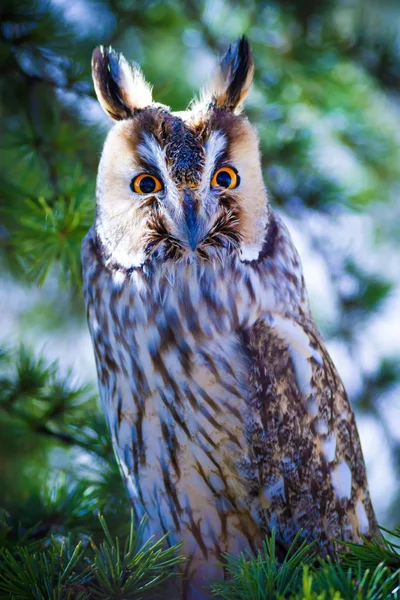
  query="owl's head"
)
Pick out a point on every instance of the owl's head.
point(178, 185)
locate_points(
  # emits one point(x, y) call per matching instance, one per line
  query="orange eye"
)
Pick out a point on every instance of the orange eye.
point(146, 184)
point(226, 177)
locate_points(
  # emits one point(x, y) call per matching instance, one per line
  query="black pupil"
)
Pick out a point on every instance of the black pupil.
point(147, 185)
point(224, 179)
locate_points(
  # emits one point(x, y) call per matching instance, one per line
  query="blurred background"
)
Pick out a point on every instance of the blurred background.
point(326, 103)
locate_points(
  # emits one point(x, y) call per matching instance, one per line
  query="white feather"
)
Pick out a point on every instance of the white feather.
point(300, 350)
point(329, 448)
point(362, 518)
point(134, 85)
point(215, 145)
point(249, 252)
point(341, 479)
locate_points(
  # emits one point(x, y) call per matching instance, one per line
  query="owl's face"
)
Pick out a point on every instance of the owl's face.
point(178, 186)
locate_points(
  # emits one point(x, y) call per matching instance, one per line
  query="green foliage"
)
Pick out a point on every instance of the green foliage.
point(367, 572)
point(48, 411)
point(130, 567)
point(134, 571)
point(61, 570)
point(53, 233)
point(265, 576)
point(34, 395)
point(40, 574)
point(375, 553)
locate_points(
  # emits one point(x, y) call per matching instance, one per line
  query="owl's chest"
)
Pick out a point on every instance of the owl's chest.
point(182, 395)
point(178, 343)
point(173, 384)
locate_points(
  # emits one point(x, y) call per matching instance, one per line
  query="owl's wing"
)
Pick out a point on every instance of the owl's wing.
point(306, 453)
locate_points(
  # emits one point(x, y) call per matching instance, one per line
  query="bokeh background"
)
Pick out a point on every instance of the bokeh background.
point(327, 105)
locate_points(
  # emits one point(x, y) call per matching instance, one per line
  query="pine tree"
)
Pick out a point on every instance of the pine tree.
point(325, 87)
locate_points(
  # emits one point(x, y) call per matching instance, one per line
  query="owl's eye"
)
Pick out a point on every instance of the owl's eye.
point(226, 177)
point(146, 184)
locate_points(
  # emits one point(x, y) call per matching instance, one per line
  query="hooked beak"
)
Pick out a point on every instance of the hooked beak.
point(191, 219)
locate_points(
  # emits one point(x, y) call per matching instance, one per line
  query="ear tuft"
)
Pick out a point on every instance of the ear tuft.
point(120, 88)
point(234, 75)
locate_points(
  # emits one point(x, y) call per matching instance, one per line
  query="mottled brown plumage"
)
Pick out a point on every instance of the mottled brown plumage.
point(227, 415)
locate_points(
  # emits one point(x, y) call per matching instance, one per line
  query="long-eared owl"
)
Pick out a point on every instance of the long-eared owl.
point(226, 413)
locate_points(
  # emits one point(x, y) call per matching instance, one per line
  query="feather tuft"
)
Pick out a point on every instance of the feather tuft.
point(233, 78)
point(121, 89)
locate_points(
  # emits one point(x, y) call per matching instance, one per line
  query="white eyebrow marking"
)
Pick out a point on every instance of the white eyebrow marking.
point(150, 151)
point(215, 145)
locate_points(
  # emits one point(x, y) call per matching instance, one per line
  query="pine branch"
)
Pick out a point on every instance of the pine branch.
point(49, 405)
point(114, 569)
point(50, 234)
point(370, 571)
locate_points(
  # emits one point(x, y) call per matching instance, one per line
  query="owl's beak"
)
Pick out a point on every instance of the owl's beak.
point(190, 212)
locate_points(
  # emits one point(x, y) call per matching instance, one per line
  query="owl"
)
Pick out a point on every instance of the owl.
point(228, 418)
